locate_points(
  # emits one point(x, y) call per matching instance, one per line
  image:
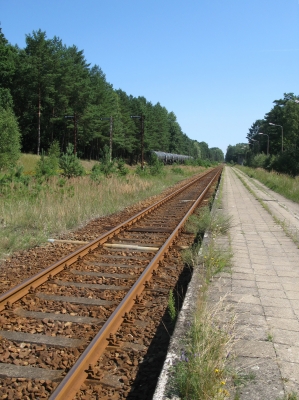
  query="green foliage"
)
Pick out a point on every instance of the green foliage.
point(9, 138)
point(47, 80)
point(156, 166)
point(122, 170)
point(216, 154)
point(199, 372)
point(236, 153)
point(15, 179)
point(5, 98)
point(286, 163)
point(143, 172)
point(171, 306)
point(70, 163)
point(177, 170)
point(283, 184)
point(48, 165)
point(107, 167)
point(96, 173)
point(259, 161)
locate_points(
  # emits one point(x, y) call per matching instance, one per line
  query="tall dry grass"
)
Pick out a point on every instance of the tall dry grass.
point(31, 214)
point(280, 183)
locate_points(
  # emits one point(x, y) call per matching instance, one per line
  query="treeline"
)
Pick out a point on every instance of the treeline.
point(57, 96)
point(273, 142)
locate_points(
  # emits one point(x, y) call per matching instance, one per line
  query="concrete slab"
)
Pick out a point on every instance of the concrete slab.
point(264, 295)
point(262, 291)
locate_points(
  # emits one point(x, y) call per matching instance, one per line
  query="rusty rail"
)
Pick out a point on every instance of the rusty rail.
point(70, 385)
point(16, 293)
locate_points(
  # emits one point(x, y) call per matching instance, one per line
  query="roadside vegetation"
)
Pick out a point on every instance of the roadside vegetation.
point(42, 199)
point(273, 140)
point(200, 372)
point(280, 183)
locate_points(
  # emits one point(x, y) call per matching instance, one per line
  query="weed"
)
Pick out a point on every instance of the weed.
point(199, 373)
point(280, 183)
point(215, 222)
point(31, 210)
point(122, 170)
point(215, 260)
point(291, 233)
point(240, 379)
point(70, 163)
point(269, 337)
point(177, 170)
point(290, 396)
point(171, 306)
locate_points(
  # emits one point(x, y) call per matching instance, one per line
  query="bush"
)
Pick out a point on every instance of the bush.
point(70, 163)
point(122, 170)
point(96, 173)
point(9, 138)
point(199, 162)
point(48, 166)
point(142, 171)
point(177, 170)
point(107, 167)
point(259, 161)
point(16, 176)
point(286, 163)
point(156, 166)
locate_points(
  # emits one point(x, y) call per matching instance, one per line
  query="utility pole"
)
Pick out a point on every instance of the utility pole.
point(110, 140)
point(75, 119)
point(141, 117)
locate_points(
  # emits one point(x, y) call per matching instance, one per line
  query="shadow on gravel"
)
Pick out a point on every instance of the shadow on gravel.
point(147, 377)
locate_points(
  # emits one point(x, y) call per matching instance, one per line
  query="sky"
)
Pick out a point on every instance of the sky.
point(218, 65)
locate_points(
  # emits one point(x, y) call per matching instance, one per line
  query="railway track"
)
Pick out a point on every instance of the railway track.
point(83, 327)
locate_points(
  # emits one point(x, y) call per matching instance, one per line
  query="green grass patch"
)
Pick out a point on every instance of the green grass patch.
point(280, 183)
point(289, 231)
point(200, 372)
point(33, 210)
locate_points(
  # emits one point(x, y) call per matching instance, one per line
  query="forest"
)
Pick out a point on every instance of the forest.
point(272, 141)
point(50, 93)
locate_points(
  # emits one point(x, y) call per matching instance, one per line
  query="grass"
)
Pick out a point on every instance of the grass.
point(200, 372)
point(289, 231)
point(269, 337)
point(239, 380)
point(280, 183)
point(215, 222)
point(171, 306)
point(32, 212)
point(29, 161)
point(290, 396)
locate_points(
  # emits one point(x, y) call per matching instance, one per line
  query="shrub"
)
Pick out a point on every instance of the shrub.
point(178, 170)
point(96, 173)
point(107, 167)
point(48, 166)
point(259, 161)
point(70, 163)
point(9, 138)
point(156, 166)
point(122, 170)
point(141, 171)
point(286, 163)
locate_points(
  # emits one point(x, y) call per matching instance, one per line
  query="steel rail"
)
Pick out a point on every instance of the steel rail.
point(71, 383)
point(16, 293)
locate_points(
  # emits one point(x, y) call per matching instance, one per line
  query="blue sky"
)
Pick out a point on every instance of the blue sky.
point(218, 65)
